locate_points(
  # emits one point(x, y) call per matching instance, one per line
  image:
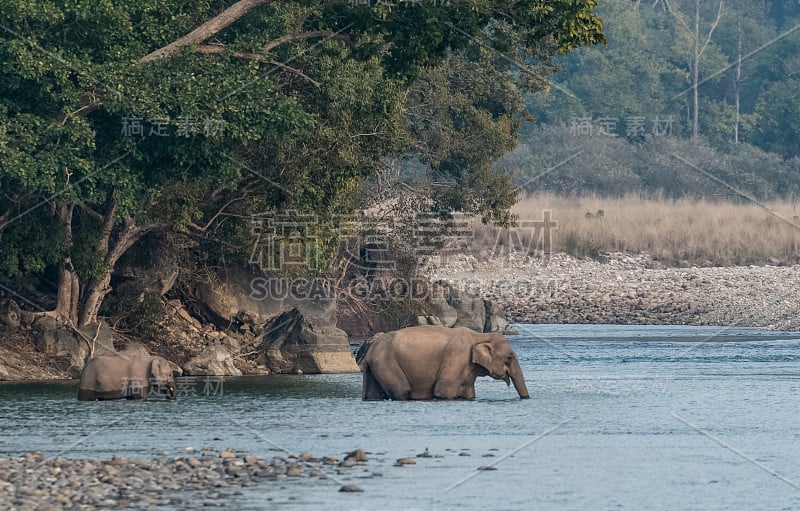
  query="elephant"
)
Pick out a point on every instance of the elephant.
point(125, 376)
point(435, 362)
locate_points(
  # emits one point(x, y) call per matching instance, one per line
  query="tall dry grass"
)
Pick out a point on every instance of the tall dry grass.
point(675, 232)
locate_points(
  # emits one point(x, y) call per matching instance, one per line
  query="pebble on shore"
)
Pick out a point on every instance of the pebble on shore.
point(629, 289)
point(33, 481)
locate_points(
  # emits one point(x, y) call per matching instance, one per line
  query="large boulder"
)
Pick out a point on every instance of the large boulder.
point(495, 318)
point(295, 323)
point(150, 266)
point(453, 307)
point(56, 339)
point(441, 309)
point(240, 295)
point(215, 360)
point(470, 309)
point(10, 313)
point(307, 342)
point(219, 303)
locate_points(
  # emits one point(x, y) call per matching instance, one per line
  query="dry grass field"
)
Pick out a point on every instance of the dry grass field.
point(675, 232)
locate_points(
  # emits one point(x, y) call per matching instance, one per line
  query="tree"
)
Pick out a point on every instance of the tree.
point(699, 49)
point(778, 119)
point(118, 120)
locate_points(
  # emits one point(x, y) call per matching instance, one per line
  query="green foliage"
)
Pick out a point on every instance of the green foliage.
point(463, 115)
point(565, 163)
point(645, 72)
point(778, 118)
point(293, 107)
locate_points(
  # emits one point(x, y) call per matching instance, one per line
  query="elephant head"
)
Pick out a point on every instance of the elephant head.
point(495, 356)
point(159, 375)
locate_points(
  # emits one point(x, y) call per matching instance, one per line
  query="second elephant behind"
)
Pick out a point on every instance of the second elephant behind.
point(434, 362)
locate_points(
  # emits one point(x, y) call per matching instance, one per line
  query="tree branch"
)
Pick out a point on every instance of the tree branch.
point(305, 35)
point(215, 49)
point(207, 29)
point(669, 8)
point(713, 27)
point(217, 214)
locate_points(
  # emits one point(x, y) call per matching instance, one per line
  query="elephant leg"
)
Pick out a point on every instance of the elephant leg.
point(86, 395)
point(112, 394)
point(372, 390)
point(453, 390)
point(393, 381)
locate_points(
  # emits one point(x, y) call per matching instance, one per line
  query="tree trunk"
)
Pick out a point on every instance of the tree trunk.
point(68, 284)
point(696, 71)
point(207, 29)
point(96, 292)
point(111, 250)
point(736, 86)
point(694, 61)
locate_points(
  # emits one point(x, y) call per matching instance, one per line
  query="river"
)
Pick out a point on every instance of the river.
point(620, 417)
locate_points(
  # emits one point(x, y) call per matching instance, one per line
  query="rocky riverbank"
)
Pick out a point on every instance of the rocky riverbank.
point(210, 479)
point(197, 480)
point(628, 289)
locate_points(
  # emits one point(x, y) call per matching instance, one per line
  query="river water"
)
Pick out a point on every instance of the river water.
point(620, 417)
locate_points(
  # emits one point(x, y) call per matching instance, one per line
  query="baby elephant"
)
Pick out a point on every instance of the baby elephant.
point(122, 376)
point(434, 362)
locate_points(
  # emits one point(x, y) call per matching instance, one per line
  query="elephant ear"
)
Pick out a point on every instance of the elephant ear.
point(482, 355)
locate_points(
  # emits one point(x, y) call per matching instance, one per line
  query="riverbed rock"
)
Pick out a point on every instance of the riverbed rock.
point(359, 455)
point(219, 305)
point(470, 308)
point(495, 317)
point(151, 266)
point(453, 306)
point(441, 309)
point(10, 313)
point(307, 341)
point(214, 361)
point(135, 348)
point(629, 289)
point(56, 339)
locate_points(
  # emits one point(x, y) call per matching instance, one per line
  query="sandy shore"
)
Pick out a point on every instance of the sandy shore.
point(629, 289)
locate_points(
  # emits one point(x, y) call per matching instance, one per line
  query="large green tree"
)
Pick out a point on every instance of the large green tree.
point(120, 118)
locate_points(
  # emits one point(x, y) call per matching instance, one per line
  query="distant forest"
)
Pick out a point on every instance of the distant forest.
point(623, 117)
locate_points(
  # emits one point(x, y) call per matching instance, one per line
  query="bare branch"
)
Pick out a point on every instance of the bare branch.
point(713, 27)
point(297, 72)
point(669, 8)
point(207, 29)
point(217, 214)
point(305, 35)
point(214, 49)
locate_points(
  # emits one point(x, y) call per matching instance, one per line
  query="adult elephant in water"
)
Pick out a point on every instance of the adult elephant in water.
point(434, 362)
point(125, 376)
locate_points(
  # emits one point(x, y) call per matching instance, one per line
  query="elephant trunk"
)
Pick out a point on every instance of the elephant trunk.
point(515, 372)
